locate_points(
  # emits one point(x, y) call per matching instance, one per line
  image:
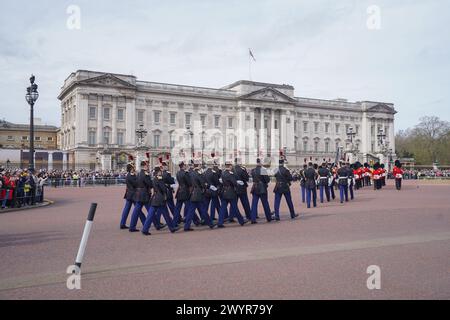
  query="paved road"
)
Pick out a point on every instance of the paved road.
point(322, 255)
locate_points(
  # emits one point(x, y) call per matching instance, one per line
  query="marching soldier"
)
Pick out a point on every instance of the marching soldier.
point(229, 196)
point(169, 181)
point(397, 172)
point(303, 182)
point(212, 176)
point(141, 196)
point(342, 173)
point(383, 175)
point(367, 174)
point(324, 175)
point(183, 193)
point(197, 198)
point(377, 176)
point(282, 187)
point(129, 194)
point(261, 181)
point(158, 204)
point(242, 178)
point(310, 185)
point(332, 180)
point(351, 179)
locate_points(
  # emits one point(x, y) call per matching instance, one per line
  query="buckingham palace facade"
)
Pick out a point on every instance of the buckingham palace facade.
point(102, 114)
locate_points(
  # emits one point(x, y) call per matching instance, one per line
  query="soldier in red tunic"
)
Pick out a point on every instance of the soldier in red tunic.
point(377, 176)
point(397, 172)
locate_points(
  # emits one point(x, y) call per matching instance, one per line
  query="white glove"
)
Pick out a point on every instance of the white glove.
point(213, 188)
point(240, 182)
point(220, 180)
point(173, 186)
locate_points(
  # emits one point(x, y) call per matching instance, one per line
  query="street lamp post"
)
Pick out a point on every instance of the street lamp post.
point(31, 96)
point(350, 135)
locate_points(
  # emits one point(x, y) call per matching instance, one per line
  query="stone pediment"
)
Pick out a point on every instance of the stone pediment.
point(108, 80)
point(382, 107)
point(267, 94)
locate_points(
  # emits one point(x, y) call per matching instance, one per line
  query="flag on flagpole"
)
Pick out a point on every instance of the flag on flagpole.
point(251, 54)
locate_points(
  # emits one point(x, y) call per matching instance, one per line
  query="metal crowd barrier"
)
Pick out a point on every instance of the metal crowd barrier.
point(21, 197)
point(84, 182)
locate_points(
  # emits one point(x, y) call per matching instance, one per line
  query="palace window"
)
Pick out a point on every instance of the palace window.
point(305, 146)
point(316, 127)
point(275, 125)
point(327, 127)
point(217, 121)
point(203, 119)
point(92, 112)
point(92, 137)
point(305, 126)
point(106, 113)
point(120, 138)
point(230, 122)
point(337, 128)
point(37, 138)
point(140, 116)
point(172, 118)
point(106, 136)
point(156, 138)
point(187, 119)
point(10, 138)
point(316, 146)
point(327, 146)
point(120, 114)
point(157, 116)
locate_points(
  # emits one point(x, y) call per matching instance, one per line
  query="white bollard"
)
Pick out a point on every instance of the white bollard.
point(84, 238)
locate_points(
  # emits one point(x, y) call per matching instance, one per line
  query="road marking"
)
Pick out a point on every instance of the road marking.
point(235, 257)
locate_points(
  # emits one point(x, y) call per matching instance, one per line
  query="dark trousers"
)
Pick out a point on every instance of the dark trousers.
point(125, 212)
point(245, 204)
point(398, 184)
point(265, 203)
point(178, 206)
point(152, 212)
point(331, 188)
point(324, 189)
point(137, 214)
point(234, 212)
point(343, 193)
point(203, 215)
point(350, 188)
point(215, 206)
point(311, 193)
point(288, 198)
point(303, 192)
point(171, 204)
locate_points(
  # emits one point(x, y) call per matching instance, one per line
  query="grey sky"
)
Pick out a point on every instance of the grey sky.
point(323, 48)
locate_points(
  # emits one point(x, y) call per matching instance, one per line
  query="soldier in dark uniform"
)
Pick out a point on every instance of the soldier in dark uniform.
point(158, 204)
point(282, 187)
point(229, 196)
point(141, 196)
point(324, 175)
point(351, 178)
point(303, 182)
point(197, 198)
point(169, 181)
point(261, 181)
point(343, 183)
point(183, 193)
point(310, 184)
point(212, 176)
point(129, 194)
point(332, 181)
point(242, 178)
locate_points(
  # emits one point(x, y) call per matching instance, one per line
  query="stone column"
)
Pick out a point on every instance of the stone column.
point(262, 135)
point(114, 121)
point(283, 129)
point(130, 132)
point(64, 160)
point(50, 160)
point(100, 120)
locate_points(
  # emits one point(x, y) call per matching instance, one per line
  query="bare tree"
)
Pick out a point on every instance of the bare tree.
point(432, 132)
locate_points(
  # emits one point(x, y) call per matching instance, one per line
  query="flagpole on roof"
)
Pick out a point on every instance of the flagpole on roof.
point(249, 65)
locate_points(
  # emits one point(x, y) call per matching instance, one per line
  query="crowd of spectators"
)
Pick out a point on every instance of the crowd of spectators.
point(24, 187)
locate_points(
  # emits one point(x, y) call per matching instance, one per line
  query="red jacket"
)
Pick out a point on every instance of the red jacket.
point(376, 174)
point(397, 171)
